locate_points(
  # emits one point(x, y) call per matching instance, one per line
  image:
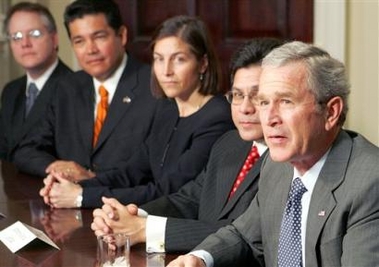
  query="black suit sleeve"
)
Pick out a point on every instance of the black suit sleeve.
point(37, 150)
point(3, 141)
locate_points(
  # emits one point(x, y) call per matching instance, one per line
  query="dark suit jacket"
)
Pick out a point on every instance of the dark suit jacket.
point(68, 129)
point(343, 218)
point(176, 151)
point(13, 125)
point(201, 206)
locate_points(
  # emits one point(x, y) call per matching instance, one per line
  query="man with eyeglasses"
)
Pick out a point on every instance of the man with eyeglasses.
point(219, 194)
point(33, 39)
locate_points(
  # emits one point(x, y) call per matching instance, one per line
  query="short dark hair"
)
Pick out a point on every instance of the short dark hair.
point(80, 8)
point(39, 9)
point(252, 52)
point(193, 32)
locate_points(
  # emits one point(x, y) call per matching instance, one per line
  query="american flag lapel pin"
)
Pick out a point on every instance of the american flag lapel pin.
point(126, 99)
point(321, 213)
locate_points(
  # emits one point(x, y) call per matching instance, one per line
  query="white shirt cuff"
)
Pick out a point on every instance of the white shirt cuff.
point(205, 256)
point(155, 234)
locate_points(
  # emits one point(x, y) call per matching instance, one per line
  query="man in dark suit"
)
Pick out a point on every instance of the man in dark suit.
point(203, 205)
point(302, 103)
point(33, 40)
point(65, 142)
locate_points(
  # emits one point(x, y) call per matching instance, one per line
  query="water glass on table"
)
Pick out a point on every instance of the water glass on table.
point(114, 250)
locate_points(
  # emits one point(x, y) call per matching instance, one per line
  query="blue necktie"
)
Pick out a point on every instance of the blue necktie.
point(31, 98)
point(290, 249)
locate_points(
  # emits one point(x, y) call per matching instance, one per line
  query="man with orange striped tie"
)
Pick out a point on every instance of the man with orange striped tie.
point(88, 130)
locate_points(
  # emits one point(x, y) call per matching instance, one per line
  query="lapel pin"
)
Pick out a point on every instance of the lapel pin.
point(126, 99)
point(321, 213)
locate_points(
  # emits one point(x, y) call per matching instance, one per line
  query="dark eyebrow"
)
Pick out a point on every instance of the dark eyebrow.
point(254, 88)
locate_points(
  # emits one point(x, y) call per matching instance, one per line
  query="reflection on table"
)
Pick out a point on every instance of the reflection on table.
point(68, 228)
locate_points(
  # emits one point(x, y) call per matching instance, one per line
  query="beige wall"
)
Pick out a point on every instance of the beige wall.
point(348, 29)
point(362, 54)
point(65, 51)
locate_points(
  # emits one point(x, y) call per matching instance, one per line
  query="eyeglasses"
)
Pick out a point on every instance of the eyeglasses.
point(237, 97)
point(18, 36)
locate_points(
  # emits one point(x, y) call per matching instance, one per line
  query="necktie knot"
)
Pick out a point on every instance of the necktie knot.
point(32, 90)
point(103, 96)
point(31, 97)
point(297, 190)
point(253, 156)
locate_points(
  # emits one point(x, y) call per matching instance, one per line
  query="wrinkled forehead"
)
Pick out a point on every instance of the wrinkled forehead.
point(287, 78)
point(23, 20)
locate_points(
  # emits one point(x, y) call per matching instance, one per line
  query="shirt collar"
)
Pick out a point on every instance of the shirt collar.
point(40, 81)
point(309, 178)
point(111, 83)
point(261, 147)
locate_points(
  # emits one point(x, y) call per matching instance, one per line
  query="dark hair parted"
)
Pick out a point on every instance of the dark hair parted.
point(80, 8)
point(193, 32)
point(42, 11)
point(251, 52)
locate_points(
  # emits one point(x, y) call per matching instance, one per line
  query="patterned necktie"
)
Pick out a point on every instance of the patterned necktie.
point(31, 98)
point(290, 248)
point(101, 113)
point(249, 162)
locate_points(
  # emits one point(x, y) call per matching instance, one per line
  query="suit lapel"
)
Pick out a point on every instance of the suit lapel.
point(121, 101)
point(19, 112)
point(279, 190)
point(250, 177)
point(84, 109)
point(323, 201)
point(232, 163)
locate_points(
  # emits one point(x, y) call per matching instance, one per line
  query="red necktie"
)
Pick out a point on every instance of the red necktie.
point(101, 113)
point(249, 162)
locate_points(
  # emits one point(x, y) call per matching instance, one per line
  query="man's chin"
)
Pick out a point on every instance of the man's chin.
point(278, 155)
point(250, 135)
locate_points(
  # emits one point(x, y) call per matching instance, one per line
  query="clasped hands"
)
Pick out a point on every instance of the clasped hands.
point(114, 217)
point(60, 189)
point(60, 192)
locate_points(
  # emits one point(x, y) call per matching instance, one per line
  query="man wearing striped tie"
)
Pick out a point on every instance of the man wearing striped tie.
point(101, 114)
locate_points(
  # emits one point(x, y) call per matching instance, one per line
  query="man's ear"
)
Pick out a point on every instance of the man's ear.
point(123, 32)
point(333, 112)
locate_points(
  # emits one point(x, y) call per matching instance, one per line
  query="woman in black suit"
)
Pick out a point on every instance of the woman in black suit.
point(191, 115)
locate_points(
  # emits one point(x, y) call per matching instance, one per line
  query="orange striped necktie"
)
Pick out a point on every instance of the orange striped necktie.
point(101, 113)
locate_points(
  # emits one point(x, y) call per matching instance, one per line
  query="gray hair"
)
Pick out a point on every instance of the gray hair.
point(326, 76)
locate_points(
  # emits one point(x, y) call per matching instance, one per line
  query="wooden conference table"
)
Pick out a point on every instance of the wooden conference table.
point(68, 228)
